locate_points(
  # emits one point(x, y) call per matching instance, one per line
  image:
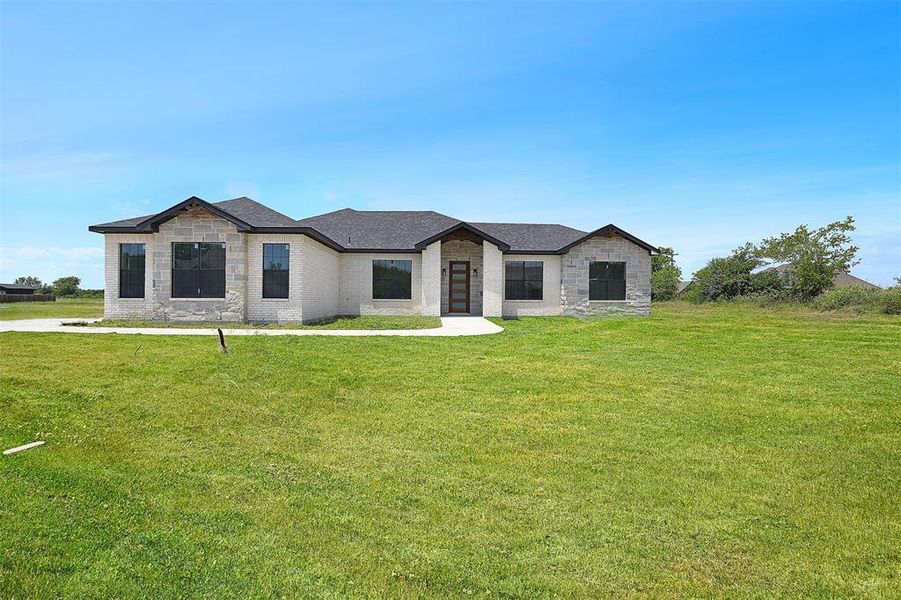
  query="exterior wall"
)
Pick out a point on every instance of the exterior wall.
point(431, 280)
point(468, 251)
point(551, 302)
point(115, 307)
point(613, 248)
point(319, 280)
point(199, 228)
point(493, 280)
point(355, 292)
point(274, 310)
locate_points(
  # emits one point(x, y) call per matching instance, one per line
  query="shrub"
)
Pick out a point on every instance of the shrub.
point(860, 299)
point(727, 278)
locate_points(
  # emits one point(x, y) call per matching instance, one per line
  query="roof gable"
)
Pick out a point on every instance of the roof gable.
point(610, 229)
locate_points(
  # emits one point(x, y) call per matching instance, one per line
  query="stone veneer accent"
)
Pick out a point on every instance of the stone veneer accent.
point(466, 251)
point(574, 295)
point(202, 227)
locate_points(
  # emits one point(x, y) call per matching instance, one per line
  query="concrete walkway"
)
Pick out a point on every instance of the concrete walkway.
point(450, 326)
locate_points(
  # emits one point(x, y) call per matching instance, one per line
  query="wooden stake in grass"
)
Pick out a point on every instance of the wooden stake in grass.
point(222, 342)
point(21, 448)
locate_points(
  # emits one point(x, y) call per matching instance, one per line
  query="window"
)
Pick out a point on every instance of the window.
point(131, 270)
point(198, 270)
point(607, 281)
point(524, 280)
point(275, 270)
point(392, 279)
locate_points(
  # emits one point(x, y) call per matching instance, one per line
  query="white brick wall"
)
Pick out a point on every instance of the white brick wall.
point(493, 280)
point(319, 280)
point(355, 293)
point(273, 310)
point(115, 307)
point(550, 304)
point(431, 280)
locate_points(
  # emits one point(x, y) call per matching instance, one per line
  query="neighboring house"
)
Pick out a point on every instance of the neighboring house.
point(238, 260)
point(840, 280)
point(682, 286)
point(16, 289)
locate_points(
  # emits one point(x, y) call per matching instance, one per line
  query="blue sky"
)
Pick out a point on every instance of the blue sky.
point(697, 126)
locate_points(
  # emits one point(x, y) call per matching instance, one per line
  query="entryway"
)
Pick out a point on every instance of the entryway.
point(458, 287)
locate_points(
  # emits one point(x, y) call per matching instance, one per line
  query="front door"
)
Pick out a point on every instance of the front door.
point(458, 287)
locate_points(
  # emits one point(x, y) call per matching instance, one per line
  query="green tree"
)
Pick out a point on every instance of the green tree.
point(665, 274)
point(30, 280)
point(66, 286)
point(729, 277)
point(813, 256)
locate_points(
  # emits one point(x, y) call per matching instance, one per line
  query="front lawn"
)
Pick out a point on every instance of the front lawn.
point(62, 308)
point(723, 450)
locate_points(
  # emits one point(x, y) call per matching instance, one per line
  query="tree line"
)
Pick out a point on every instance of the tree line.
point(63, 287)
point(808, 260)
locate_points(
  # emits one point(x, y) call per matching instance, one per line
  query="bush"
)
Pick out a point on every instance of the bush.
point(860, 299)
point(727, 278)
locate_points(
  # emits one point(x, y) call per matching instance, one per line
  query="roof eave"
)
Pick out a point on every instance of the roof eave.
point(461, 225)
point(610, 228)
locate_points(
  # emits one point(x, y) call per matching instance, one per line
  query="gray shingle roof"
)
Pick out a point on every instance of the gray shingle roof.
point(355, 230)
point(249, 211)
point(531, 237)
point(379, 229)
point(16, 286)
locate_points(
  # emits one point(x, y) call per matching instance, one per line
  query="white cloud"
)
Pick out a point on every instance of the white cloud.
point(63, 165)
point(51, 262)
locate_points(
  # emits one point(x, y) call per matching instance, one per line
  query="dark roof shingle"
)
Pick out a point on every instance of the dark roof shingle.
point(380, 230)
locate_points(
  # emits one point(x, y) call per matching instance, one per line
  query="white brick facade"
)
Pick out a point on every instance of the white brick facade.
point(550, 303)
point(273, 310)
point(493, 285)
point(355, 293)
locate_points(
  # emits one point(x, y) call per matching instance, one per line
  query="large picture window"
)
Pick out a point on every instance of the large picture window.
point(198, 270)
point(607, 281)
point(392, 279)
point(524, 280)
point(276, 261)
point(131, 270)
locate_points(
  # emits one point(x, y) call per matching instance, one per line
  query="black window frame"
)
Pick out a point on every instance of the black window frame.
point(519, 284)
point(604, 281)
point(392, 279)
point(205, 272)
point(132, 270)
point(276, 270)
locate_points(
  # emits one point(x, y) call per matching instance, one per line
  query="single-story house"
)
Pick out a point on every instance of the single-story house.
point(238, 260)
point(16, 289)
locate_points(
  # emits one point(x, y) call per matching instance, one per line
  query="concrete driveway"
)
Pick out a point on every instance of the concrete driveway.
point(450, 326)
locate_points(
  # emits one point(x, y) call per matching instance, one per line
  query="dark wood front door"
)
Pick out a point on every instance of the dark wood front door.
point(458, 286)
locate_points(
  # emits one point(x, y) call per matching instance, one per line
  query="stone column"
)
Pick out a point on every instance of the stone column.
point(492, 280)
point(431, 280)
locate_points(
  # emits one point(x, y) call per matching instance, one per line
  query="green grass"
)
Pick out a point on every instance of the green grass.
point(721, 450)
point(63, 307)
point(364, 322)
